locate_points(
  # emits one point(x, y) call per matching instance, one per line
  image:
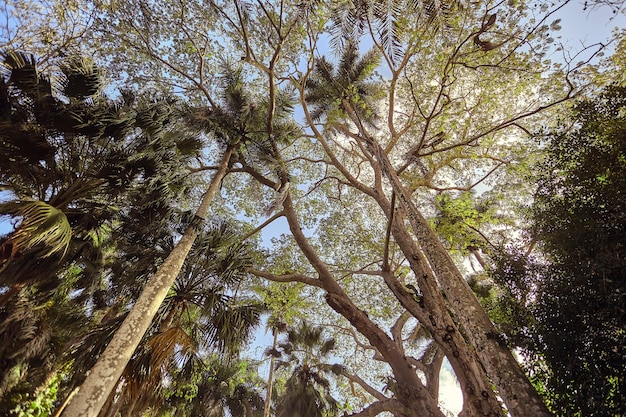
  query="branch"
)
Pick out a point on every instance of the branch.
point(358, 380)
point(378, 407)
point(260, 227)
point(286, 277)
point(385, 265)
point(396, 329)
point(355, 337)
point(256, 175)
point(204, 168)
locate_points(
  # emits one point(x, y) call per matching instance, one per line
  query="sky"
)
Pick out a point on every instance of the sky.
point(580, 28)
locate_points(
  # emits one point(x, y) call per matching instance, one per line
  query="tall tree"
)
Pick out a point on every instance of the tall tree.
point(577, 277)
point(197, 318)
point(240, 123)
point(307, 391)
point(74, 162)
point(379, 148)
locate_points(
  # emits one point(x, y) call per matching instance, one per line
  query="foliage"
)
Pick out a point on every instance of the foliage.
point(307, 391)
point(198, 318)
point(576, 288)
point(354, 163)
point(459, 221)
point(217, 388)
point(83, 169)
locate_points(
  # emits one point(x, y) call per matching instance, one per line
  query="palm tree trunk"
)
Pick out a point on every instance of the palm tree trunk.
point(109, 367)
point(270, 378)
point(519, 396)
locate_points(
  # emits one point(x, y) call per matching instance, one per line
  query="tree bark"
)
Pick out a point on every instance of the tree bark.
point(410, 391)
point(513, 386)
point(270, 378)
point(104, 375)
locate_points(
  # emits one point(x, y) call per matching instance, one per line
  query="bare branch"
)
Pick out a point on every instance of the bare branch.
point(261, 226)
point(374, 409)
point(286, 277)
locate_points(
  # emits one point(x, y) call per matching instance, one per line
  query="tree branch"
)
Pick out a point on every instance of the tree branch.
point(374, 409)
point(286, 277)
point(261, 226)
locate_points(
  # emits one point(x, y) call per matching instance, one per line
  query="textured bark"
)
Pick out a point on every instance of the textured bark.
point(109, 367)
point(513, 386)
point(410, 391)
point(378, 407)
point(434, 315)
point(479, 398)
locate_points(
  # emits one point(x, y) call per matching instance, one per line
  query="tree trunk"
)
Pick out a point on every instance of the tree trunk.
point(109, 367)
point(513, 386)
point(410, 390)
point(270, 378)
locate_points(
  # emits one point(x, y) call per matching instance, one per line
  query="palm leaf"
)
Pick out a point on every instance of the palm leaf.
point(163, 345)
point(22, 69)
point(82, 78)
point(42, 224)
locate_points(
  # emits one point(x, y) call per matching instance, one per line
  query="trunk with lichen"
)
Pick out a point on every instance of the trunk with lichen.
point(102, 378)
point(519, 396)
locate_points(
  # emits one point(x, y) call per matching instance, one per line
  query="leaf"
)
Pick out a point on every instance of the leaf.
point(42, 224)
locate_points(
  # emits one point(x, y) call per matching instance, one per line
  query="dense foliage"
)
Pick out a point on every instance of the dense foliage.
point(97, 187)
point(348, 172)
point(577, 285)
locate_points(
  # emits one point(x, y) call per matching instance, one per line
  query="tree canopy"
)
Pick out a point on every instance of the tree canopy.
point(576, 281)
point(391, 145)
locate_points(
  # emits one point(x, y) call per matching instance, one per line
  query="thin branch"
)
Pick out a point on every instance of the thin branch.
point(261, 226)
point(358, 380)
point(286, 277)
point(385, 265)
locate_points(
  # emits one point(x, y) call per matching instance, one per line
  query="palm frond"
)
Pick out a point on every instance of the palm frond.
point(164, 344)
point(21, 70)
point(41, 224)
point(231, 327)
point(82, 78)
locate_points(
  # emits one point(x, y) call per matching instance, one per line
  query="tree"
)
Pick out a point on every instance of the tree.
point(433, 122)
point(578, 288)
point(197, 318)
point(234, 125)
point(73, 161)
point(219, 388)
point(307, 390)
point(442, 124)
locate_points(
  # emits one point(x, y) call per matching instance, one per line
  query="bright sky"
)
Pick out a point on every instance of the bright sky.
point(579, 28)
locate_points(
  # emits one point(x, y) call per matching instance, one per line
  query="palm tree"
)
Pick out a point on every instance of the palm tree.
point(277, 326)
point(238, 125)
point(218, 388)
point(72, 158)
point(202, 313)
point(335, 92)
point(75, 162)
point(307, 390)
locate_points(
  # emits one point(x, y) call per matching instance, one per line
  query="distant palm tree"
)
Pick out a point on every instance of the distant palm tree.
point(219, 388)
point(307, 391)
point(336, 92)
